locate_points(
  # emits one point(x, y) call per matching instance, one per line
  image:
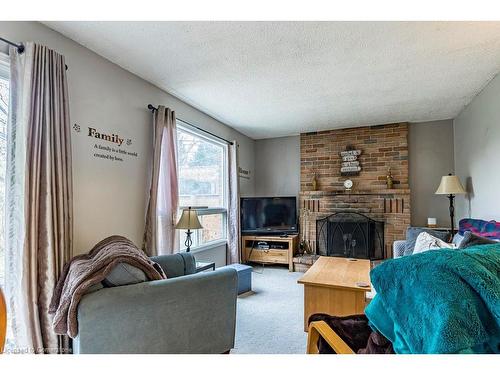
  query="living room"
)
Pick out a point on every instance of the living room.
point(251, 187)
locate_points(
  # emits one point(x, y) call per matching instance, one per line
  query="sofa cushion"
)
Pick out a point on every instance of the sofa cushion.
point(472, 239)
point(413, 232)
point(426, 242)
point(175, 265)
point(483, 228)
point(124, 274)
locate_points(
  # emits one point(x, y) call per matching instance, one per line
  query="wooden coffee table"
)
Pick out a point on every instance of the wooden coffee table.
point(330, 287)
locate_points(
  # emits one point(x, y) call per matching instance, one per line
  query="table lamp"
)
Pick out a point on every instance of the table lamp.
point(189, 220)
point(450, 185)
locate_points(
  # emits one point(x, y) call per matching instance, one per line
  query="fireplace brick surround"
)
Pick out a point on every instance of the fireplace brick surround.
point(383, 147)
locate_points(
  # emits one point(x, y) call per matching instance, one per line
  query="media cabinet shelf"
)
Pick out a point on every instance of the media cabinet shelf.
point(251, 253)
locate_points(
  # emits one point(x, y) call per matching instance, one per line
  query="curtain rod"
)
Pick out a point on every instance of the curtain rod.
point(153, 109)
point(20, 47)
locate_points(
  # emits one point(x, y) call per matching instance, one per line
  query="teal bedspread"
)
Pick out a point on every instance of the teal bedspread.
point(440, 301)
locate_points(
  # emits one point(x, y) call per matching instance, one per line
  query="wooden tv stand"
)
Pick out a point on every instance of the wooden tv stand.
point(251, 253)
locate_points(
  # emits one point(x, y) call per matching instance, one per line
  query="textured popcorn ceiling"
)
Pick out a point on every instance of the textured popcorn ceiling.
point(269, 79)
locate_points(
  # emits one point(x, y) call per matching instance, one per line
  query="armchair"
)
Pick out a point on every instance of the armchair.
point(187, 313)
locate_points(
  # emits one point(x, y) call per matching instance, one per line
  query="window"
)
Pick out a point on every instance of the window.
point(202, 169)
point(4, 108)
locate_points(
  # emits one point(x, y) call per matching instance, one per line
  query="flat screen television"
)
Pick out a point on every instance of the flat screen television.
point(276, 215)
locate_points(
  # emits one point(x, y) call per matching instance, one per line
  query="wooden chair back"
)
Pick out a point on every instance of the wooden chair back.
point(320, 328)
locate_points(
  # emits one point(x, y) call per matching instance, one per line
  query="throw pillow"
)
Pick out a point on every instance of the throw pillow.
point(472, 239)
point(457, 239)
point(483, 228)
point(426, 242)
point(413, 232)
point(124, 274)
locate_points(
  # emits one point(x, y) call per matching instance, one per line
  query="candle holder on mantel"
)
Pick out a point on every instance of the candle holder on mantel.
point(389, 180)
point(315, 182)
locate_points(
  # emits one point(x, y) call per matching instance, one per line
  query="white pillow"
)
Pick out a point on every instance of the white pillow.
point(426, 241)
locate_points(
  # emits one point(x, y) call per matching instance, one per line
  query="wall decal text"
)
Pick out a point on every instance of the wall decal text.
point(108, 146)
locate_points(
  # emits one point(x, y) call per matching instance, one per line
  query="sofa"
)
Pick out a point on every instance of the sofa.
point(188, 312)
point(489, 229)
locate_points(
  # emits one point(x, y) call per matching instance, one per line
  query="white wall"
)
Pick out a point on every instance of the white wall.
point(277, 166)
point(110, 197)
point(430, 149)
point(477, 154)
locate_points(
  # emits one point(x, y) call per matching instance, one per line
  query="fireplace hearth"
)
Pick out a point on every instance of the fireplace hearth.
point(350, 234)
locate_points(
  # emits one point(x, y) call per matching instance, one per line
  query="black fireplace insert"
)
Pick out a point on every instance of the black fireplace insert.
point(351, 235)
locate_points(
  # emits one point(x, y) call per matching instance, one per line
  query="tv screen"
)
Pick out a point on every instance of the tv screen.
point(264, 215)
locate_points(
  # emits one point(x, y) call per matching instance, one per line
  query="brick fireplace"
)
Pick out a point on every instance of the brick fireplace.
point(382, 147)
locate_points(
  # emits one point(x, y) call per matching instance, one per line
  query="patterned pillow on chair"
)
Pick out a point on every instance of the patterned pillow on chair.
point(489, 229)
point(426, 242)
point(413, 232)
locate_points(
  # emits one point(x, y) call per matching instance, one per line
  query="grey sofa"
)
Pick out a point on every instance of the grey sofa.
point(186, 313)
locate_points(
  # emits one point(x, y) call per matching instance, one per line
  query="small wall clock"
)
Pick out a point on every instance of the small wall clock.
point(348, 184)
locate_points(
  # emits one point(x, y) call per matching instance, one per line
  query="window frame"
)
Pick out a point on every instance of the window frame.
point(202, 211)
point(4, 65)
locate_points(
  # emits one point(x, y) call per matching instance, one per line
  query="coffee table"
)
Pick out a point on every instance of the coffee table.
point(331, 287)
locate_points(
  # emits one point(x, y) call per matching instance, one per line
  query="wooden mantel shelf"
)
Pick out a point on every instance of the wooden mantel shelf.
point(356, 192)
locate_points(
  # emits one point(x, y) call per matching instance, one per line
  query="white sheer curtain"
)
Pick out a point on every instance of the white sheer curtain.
point(233, 251)
point(14, 193)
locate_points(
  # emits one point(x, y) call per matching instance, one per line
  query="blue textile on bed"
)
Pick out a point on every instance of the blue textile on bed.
point(440, 301)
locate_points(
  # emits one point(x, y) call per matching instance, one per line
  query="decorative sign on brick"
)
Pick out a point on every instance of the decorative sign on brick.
point(350, 164)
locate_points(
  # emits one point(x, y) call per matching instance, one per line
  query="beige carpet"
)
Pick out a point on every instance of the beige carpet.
point(270, 319)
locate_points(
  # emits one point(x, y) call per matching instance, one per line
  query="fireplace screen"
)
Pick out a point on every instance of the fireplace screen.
point(350, 234)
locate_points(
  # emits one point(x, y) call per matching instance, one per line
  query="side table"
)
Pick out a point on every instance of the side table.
point(203, 266)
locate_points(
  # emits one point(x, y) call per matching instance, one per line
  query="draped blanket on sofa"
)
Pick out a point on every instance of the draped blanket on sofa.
point(85, 270)
point(442, 301)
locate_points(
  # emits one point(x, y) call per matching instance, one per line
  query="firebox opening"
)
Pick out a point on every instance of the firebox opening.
point(351, 235)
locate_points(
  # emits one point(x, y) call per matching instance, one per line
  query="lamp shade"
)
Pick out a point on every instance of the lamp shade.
point(188, 220)
point(450, 185)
